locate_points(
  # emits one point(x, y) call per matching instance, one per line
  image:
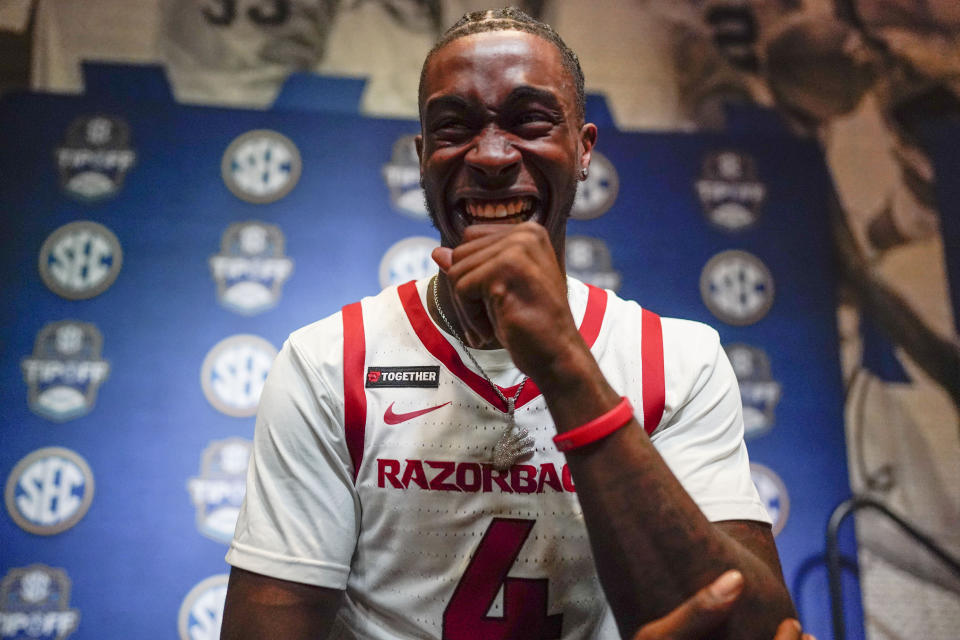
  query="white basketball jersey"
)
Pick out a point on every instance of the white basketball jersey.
point(389, 490)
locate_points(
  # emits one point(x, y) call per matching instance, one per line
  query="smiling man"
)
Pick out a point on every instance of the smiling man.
point(460, 457)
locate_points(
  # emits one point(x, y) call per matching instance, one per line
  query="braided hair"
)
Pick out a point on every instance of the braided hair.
point(510, 19)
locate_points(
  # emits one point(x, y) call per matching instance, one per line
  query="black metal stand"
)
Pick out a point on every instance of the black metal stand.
point(839, 514)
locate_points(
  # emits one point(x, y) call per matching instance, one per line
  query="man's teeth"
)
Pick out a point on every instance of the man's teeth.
point(498, 209)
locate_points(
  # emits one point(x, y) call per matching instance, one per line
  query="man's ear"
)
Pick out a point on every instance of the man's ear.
point(588, 138)
point(418, 143)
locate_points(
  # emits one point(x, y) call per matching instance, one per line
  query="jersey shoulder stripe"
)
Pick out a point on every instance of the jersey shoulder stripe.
point(651, 357)
point(354, 398)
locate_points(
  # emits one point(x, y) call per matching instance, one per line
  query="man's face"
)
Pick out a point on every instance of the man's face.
point(501, 141)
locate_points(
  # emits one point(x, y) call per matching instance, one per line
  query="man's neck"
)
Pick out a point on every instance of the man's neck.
point(438, 292)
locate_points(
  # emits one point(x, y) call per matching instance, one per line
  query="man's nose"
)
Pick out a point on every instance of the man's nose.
point(492, 153)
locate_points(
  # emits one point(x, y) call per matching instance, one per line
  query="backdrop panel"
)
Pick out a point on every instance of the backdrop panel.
point(157, 254)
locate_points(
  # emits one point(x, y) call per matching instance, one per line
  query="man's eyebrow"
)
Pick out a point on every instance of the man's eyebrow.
point(528, 93)
point(445, 102)
point(520, 94)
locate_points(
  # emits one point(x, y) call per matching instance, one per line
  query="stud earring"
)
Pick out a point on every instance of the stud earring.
point(583, 173)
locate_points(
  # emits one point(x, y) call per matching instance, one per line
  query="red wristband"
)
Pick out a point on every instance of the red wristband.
point(597, 428)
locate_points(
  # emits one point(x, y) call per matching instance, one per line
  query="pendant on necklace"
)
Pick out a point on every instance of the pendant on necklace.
point(514, 444)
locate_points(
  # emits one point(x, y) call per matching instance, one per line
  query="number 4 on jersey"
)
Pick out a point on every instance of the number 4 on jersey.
point(524, 599)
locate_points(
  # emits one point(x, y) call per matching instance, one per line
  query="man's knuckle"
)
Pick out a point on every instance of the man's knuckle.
point(461, 286)
point(498, 289)
point(519, 253)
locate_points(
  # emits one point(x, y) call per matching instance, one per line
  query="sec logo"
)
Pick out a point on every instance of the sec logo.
point(49, 491)
point(251, 267)
point(80, 260)
point(737, 287)
point(261, 166)
point(218, 491)
point(588, 260)
point(729, 191)
point(759, 392)
point(65, 370)
point(402, 175)
point(408, 260)
point(233, 374)
point(95, 157)
point(598, 192)
point(773, 494)
point(201, 612)
point(35, 603)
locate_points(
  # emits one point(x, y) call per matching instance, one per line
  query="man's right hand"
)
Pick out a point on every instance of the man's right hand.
point(705, 610)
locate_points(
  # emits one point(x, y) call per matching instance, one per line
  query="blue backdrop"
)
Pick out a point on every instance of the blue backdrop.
point(117, 502)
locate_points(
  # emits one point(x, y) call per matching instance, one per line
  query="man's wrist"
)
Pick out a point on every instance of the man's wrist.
point(596, 429)
point(575, 389)
point(567, 370)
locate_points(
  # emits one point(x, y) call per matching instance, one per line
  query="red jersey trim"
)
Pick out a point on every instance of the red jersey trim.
point(437, 345)
point(651, 357)
point(354, 398)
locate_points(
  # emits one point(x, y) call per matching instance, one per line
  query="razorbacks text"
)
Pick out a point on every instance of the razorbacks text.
point(472, 477)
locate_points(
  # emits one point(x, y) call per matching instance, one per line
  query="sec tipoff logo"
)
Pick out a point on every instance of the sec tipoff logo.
point(588, 260)
point(261, 166)
point(218, 491)
point(250, 269)
point(598, 192)
point(408, 260)
point(80, 260)
point(49, 491)
point(95, 158)
point(233, 374)
point(65, 371)
point(737, 287)
point(759, 391)
point(35, 603)
point(201, 613)
point(402, 175)
point(729, 191)
point(773, 494)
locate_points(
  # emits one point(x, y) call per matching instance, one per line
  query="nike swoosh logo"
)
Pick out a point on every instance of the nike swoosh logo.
point(396, 418)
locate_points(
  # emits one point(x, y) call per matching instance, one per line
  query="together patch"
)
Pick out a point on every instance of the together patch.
point(403, 377)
